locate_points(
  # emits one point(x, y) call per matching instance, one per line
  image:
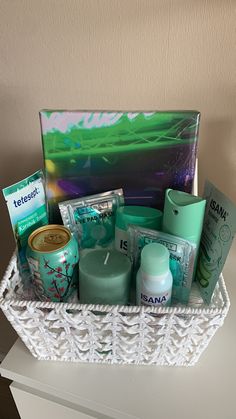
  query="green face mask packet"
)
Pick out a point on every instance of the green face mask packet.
point(92, 218)
point(219, 228)
point(182, 254)
point(26, 203)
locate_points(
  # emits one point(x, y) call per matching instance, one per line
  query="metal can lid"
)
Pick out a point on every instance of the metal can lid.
point(49, 238)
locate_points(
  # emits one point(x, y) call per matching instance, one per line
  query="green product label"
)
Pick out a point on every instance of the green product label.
point(28, 224)
point(181, 258)
point(95, 227)
point(218, 232)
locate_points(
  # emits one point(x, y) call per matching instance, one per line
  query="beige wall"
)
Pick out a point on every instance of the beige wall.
point(109, 54)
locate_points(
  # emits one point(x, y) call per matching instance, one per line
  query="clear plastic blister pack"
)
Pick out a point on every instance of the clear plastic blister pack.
point(181, 258)
point(92, 218)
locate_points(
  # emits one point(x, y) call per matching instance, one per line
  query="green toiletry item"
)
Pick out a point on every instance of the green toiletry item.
point(182, 256)
point(217, 235)
point(92, 218)
point(26, 203)
point(154, 279)
point(135, 215)
point(183, 216)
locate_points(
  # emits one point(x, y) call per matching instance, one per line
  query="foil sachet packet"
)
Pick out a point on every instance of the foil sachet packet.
point(92, 218)
point(182, 255)
point(27, 206)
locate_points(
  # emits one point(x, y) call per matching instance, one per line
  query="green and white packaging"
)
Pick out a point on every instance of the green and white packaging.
point(92, 218)
point(26, 203)
point(183, 217)
point(182, 254)
point(218, 232)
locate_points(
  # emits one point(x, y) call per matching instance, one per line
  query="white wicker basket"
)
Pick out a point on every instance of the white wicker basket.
point(112, 334)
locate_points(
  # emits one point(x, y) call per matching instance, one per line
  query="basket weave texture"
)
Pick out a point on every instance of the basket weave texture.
point(112, 334)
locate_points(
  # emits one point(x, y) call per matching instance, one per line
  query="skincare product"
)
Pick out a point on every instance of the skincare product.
point(154, 278)
point(183, 217)
point(181, 258)
point(92, 218)
point(218, 232)
point(137, 215)
point(26, 203)
point(104, 277)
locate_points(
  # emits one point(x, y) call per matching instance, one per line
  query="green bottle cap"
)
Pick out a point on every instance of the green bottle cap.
point(138, 215)
point(155, 259)
point(183, 215)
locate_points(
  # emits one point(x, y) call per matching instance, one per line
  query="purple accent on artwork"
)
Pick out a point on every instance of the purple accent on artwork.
point(69, 187)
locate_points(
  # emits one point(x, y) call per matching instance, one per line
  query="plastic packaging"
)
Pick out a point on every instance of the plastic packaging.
point(182, 255)
point(26, 202)
point(183, 216)
point(154, 278)
point(218, 232)
point(137, 215)
point(92, 218)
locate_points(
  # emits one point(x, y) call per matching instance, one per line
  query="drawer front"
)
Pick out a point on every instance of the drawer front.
point(37, 405)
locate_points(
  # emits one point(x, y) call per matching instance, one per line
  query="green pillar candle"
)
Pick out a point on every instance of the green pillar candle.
point(104, 277)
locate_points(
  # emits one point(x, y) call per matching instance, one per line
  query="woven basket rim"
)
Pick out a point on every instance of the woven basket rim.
point(110, 308)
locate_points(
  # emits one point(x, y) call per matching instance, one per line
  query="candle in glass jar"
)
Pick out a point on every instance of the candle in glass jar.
point(104, 277)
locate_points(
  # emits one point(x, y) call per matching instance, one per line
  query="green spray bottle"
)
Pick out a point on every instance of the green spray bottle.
point(183, 217)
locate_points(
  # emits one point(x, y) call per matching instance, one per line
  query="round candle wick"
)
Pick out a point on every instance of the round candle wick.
point(107, 257)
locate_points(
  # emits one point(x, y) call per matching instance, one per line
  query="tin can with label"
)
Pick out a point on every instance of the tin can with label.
point(53, 256)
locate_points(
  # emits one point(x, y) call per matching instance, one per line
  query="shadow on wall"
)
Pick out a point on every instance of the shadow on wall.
point(17, 132)
point(217, 155)
point(13, 168)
